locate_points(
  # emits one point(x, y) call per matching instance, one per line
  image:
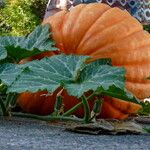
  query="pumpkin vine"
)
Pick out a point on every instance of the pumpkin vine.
point(41, 66)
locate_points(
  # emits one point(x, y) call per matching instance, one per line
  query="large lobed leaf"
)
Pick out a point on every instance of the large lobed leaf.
point(18, 48)
point(96, 75)
point(9, 73)
point(120, 93)
point(70, 72)
point(48, 74)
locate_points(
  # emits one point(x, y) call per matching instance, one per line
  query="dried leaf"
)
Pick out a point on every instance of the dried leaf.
point(112, 127)
point(100, 127)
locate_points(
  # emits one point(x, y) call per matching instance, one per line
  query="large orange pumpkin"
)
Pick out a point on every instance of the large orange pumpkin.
point(99, 31)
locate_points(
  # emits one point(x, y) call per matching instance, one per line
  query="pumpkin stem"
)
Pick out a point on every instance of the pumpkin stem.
point(47, 118)
point(2, 104)
point(76, 107)
point(9, 104)
point(11, 100)
point(58, 106)
point(96, 108)
point(73, 109)
point(3, 108)
point(86, 106)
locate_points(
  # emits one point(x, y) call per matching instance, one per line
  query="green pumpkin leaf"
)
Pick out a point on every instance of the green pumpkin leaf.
point(70, 72)
point(48, 73)
point(35, 43)
point(145, 111)
point(96, 75)
point(9, 72)
point(39, 39)
point(120, 93)
point(57, 71)
point(3, 53)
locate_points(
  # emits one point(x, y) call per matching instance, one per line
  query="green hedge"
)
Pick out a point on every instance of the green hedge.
point(20, 17)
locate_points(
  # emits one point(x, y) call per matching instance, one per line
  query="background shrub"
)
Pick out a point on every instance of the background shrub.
point(20, 17)
point(147, 28)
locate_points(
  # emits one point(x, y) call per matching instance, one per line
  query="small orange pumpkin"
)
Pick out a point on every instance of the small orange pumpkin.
point(99, 31)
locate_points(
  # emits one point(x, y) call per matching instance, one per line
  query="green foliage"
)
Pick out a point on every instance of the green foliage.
point(20, 17)
point(147, 28)
point(27, 46)
point(145, 111)
point(13, 49)
point(69, 72)
point(38, 7)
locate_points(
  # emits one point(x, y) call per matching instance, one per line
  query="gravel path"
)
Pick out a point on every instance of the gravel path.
point(33, 135)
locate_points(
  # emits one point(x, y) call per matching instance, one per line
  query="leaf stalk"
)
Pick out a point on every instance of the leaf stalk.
point(47, 118)
point(86, 109)
point(76, 107)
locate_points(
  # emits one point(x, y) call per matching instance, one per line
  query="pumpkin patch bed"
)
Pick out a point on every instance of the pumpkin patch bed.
point(91, 62)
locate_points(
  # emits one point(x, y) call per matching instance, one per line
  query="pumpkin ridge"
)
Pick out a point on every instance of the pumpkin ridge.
point(61, 33)
point(63, 20)
point(111, 112)
point(131, 63)
point(130, 58)
point(69, 15)
point(124, 106)
point(129, 78)
point(110, 25)
point(91, 27)
point(89, 52)
point(139, 82)
point(133, 34)
point(140, 90)
point(137, 74)
point(112, 47)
